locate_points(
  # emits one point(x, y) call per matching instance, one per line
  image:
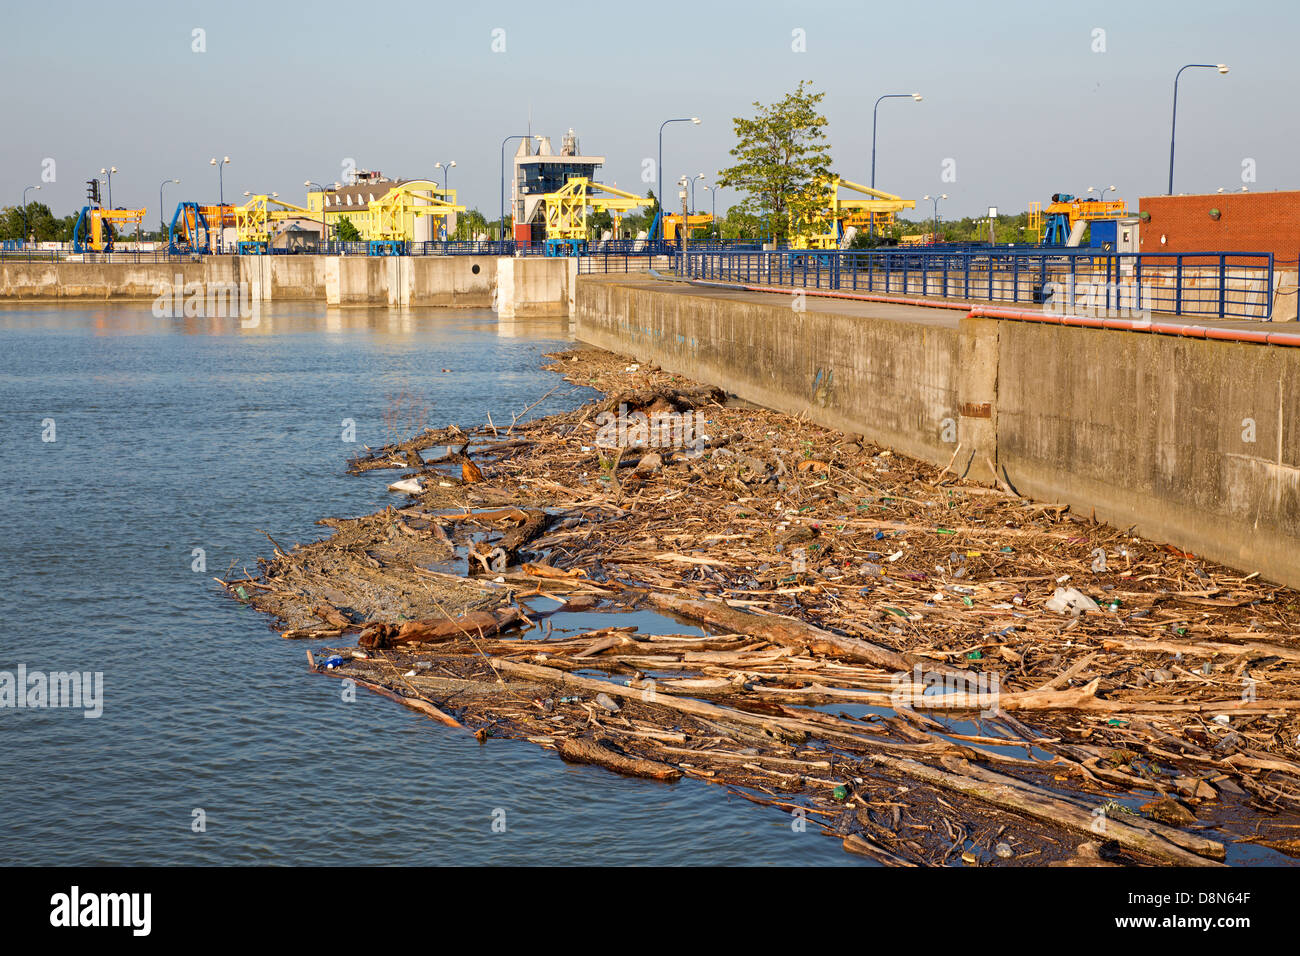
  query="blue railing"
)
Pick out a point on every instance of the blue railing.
point(1228, 285)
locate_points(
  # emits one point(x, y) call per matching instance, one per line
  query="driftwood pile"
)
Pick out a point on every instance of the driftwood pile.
point(928, 669)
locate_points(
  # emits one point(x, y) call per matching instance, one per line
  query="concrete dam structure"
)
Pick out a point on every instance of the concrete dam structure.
point(1186, 440)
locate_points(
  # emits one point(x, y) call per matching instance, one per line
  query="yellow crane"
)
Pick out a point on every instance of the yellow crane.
point(566, 211)
point(828, 227)
point(388, 222)
point(97, 228)
point(391, 217)
point(255, 221)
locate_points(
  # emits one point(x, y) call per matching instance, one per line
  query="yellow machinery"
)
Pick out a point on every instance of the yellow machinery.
point(673, 224)
point(392, 215)
point(192, 227)
point(566, 210)
point(390, 220)
point(255, 221)
point(828, 227)
point(97, 228)
point(1063, 221)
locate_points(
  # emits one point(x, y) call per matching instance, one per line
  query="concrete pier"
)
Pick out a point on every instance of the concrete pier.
point(518, 288)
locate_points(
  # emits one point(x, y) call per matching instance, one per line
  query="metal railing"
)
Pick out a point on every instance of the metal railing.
point(622, 262)
point(1227, 285)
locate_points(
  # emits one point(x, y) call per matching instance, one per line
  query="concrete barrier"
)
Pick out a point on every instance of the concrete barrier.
point(1187, 440)
point(535, 286)
point(109, 280)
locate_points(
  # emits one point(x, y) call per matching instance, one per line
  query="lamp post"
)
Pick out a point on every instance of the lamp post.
point(109, 173)
point(888, 96)
point(221, 200)
point(446, 172)
point(221, 186)
point(713, 193)
point(659, 169)
point(1173, 124)
point(27, 223)
point(936, 212)
point(690, 181)
point(324, 226)
point(502, 187)
point(162, 217)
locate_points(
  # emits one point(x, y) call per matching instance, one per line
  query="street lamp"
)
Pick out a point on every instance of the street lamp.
point(1101, 191)
point(713, 191)
point(324, 227)
point(888, 96)
point(690, 181)
point(109, 173)
point(27, 224)
point(936, 211)
point(1173, 125)
point(162, 217)
point(659, 170)
point(446, 172)
point(221, 187)
point(502, 187)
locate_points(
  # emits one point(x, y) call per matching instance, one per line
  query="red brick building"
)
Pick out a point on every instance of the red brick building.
point(1223, 222)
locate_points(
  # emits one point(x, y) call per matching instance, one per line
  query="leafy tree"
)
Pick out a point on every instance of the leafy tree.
point(35, 222)
point(470, 224)
point(780, 155)
point(345, 231)
point(735, 223)
point(597, 222)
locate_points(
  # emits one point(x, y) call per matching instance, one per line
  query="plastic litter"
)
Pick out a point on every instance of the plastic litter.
point(1071, 601)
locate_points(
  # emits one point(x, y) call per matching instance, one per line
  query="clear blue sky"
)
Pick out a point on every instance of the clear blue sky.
point(1014, 92)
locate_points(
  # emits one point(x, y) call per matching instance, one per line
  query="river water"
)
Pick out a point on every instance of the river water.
point(171, 435)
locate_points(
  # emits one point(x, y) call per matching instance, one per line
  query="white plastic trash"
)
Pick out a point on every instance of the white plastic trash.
point(1071, 601)
point(410, 486)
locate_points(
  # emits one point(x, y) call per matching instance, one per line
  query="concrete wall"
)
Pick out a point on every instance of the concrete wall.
point(537, 286)
point(461, 281)
point(529, 286)
point(103, 280)
point(1194, 442)
point(895, 381)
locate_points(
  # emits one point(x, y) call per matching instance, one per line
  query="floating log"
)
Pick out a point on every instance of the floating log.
point(583, 750)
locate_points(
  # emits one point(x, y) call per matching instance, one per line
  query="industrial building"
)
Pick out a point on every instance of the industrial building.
point(1232, 222)
point(543, 171)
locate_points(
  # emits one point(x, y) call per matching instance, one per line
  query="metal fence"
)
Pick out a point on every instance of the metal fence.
point(621, 262)
point(1232, 285)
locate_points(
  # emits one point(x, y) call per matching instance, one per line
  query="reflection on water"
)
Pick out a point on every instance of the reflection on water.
point(181, 437)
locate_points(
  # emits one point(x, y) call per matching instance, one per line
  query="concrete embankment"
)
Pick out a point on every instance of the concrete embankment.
point(1192, 441)
point(517, 287)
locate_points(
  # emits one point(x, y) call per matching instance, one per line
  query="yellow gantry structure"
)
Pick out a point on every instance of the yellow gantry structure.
point(255, 221)
point(98, 237)
point(566, 209)
point(672, 224)
point(1076, 210)
point(826, 227)
point(393, 215)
